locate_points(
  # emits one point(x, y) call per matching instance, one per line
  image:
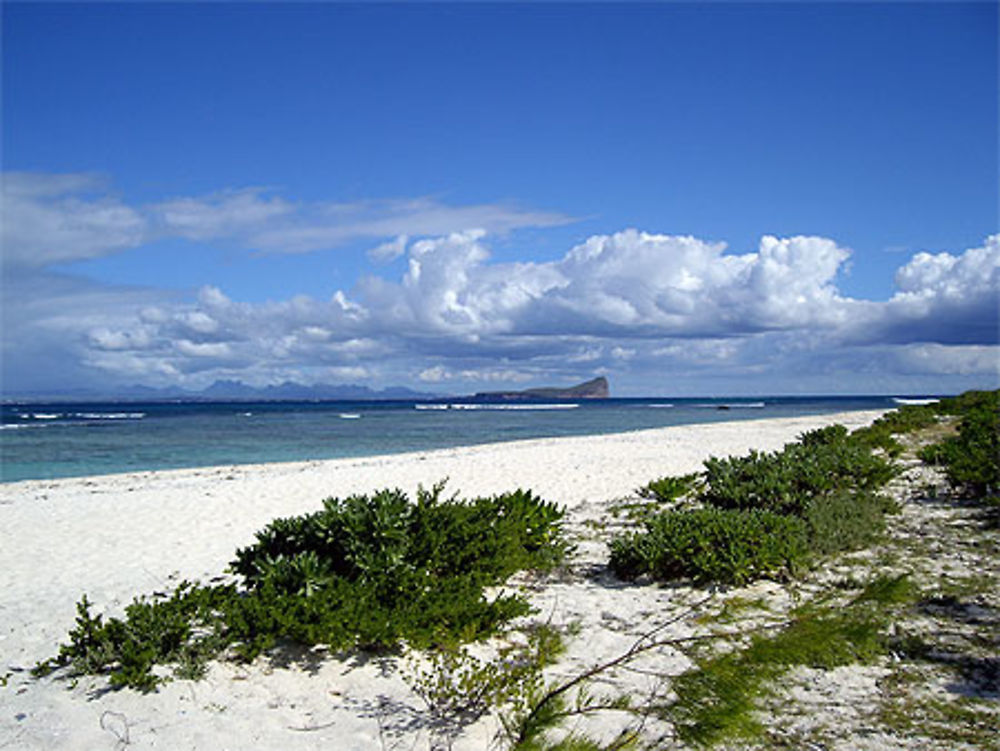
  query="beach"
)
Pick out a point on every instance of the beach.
point(115, 537)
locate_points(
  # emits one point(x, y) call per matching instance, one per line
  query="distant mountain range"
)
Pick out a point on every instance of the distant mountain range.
point(227, 390)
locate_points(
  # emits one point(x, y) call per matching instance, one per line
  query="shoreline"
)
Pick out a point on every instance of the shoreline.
point(421, 454)
point(55, 449)
point(114, 537)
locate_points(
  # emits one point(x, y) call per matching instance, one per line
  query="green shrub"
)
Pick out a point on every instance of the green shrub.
point(906, 419)
point(785, 481)
point(180, 629)
point(970, 401)
point(845, 520)
point(668, 489)
point(384, 538)
point(366, 571)
point(720, 545)
point(817, 493)
point(972, 458)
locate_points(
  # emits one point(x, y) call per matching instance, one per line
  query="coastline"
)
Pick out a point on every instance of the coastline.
point(117, 536)
point(59, 441)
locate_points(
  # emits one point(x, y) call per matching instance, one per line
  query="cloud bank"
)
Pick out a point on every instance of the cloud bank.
point(660, 313)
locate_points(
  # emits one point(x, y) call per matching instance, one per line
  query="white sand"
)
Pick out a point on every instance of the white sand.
point(117, 536)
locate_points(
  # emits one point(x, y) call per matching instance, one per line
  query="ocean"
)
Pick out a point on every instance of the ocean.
point(43, 441)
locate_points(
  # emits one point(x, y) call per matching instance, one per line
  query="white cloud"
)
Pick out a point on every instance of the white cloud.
point(628, 301)
point(954, 360)
point(228, 214)
point(435, 374)
point(199, 322)
point(60, 218)
point(495, 376)
point(203, 349)
point(941, 298)
point(623, 353)
point(632, 282)
point(653, 305)
point(325, 225)
point(389, 250)
point(106, 339)
point(49, 219)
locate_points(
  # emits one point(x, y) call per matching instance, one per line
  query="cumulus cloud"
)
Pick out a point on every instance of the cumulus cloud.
point(653, 305)
point(630, 283)
point(946, 299)
point(629, 301)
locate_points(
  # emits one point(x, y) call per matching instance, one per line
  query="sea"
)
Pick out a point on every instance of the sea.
point(51, 440)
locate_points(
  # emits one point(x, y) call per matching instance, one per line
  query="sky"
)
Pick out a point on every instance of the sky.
point(691, 199)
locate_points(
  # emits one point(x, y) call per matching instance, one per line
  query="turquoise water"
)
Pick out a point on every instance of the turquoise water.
point(39, 441)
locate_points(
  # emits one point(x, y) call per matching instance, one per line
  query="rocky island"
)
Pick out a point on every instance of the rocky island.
point(596, 388)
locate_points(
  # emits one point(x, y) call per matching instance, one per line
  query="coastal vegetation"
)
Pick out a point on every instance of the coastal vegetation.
point(764, 514)
point(829, 488)
point(368, 571)
point(769, 514)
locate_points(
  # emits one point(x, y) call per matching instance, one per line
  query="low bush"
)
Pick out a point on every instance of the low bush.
point(906, 419)
point(845, 520)
point(824, 461)
point(972, 458)
point(970, 401)
point(668, 489)
point(765, 512)
point(366, 571)
point(719, 545)
point(183, 629)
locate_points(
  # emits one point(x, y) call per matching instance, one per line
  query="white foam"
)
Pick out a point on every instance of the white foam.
point(511, 407)
point(109, 415)
point(733, 405)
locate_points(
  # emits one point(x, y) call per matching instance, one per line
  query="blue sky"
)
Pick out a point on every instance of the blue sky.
point(689, 198)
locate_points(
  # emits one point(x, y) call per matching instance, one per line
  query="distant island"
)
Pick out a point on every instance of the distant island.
point(596, 388)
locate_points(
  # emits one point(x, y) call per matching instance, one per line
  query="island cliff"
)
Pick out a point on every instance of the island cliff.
point(596, 388)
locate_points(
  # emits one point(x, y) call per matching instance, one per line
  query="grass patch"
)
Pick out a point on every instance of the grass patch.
point(956, 720)
point(717, 700)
